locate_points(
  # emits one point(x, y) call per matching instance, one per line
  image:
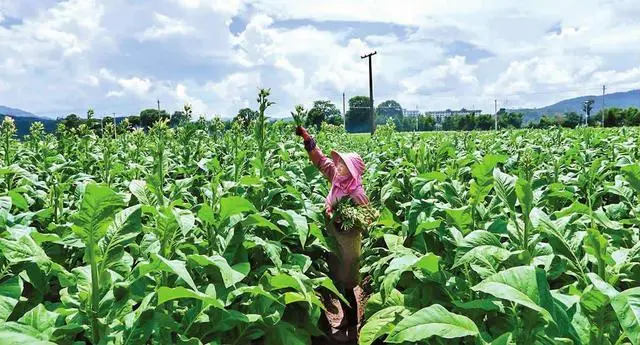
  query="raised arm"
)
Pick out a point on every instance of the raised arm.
point(319, 160)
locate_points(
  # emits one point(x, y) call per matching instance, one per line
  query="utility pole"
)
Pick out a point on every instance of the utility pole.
point(371, 90)
point(495, 107)
point(344, 112)
point(158, 105)
point(603, 90)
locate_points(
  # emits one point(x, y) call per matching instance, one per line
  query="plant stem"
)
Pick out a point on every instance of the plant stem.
point(95, 289)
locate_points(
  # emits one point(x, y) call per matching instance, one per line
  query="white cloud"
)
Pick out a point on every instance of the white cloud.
point(120, 56)
point(197, 105)
point(135, 85)
point(225, 6)
point(165, 27)
point(90, 80)
point(454, 74)
point(114, 94)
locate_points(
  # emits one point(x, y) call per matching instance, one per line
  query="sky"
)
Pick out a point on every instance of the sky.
point(121, 56)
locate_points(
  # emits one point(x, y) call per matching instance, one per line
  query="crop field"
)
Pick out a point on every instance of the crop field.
point(194, 235)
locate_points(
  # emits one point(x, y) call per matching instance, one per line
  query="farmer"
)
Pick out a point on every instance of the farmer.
point(344, 171)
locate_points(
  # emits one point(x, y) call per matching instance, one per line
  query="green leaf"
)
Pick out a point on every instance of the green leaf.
point(375, 302)
point(41, 319)
point(166, 294)
point(17, 338)
point(260, 221)
point(174, 266)
point(602, 286)
point(18, 200)
point(24, 250)
point(627, 308)
point(125, 227)
point(139, 189)
point(233, 205)
point(596, 244)
point(230, 275)
point(524, 285)
point(461, 218)
point(434, 175)
point(286, 333)
point(484, 253)
point(632, 175)
point(428, 263)
point(381, 323)
point(5, 203)
point(296, 222)
point(504, 185)
point(434, 320)
point(525, 195)
point(98, 206)
point(504, 339)
point(10, 291)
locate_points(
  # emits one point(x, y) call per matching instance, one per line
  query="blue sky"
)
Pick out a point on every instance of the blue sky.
point(120, 56)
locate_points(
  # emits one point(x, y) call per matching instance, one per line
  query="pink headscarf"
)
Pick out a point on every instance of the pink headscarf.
point(350, 185)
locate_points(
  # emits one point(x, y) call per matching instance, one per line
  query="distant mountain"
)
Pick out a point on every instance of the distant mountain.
point(619, 99)
point(24, 119)
point(16, 112)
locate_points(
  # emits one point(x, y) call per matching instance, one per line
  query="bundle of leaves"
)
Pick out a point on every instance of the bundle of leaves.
point(353, 217)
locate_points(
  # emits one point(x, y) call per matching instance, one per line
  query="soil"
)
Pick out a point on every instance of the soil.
point(335, 315)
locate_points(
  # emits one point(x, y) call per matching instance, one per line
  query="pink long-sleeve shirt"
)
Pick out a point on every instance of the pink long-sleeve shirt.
point(341, 186)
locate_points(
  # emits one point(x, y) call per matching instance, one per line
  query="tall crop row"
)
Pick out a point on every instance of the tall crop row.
point(193, 236)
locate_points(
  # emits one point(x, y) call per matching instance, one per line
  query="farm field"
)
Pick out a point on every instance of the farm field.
point(192, 235)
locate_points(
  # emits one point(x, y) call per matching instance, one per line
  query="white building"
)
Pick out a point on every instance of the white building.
point(444, 113)
point(410, 113)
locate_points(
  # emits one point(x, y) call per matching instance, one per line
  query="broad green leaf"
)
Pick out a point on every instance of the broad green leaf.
point(233, 205)
point(505, 339)
point(18, 338)
point(596, 244)
point(5, 203)
point(260, 221)
point(418, 208)
point(632, 175)
point(431, 321)
point(98, 206)
point(428, 263)
point(461, 218)
point(286, 333)
point(525, 195)
point(504, 185)
point(230, 275)
point(18, 200)
point(185, 219)
point(10, 291)
point(434, 175)
point(139, 189)
point(41, 319)
point(602, 286)
point(480, 304)
point(627, 308)
point(523, 285)
point(375, 302)
point(381, 323)
point(24, 250)
point(125, 227)
point(296, 222)
point(485, 253)
point(176, 267)
point(166, 294)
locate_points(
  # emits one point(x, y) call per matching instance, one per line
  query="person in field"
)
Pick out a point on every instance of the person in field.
point(344, 171)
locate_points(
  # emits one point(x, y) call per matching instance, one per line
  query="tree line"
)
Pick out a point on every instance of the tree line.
point(356, 120)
